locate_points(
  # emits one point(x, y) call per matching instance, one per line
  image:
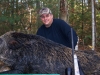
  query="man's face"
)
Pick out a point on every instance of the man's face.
point(47, 19)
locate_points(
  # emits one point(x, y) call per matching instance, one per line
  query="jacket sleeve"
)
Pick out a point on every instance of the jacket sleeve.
point(66, 29)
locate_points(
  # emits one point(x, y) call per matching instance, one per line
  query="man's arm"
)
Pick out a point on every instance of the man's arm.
point(66, 29)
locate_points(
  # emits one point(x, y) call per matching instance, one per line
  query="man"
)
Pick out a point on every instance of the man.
point(56, 30)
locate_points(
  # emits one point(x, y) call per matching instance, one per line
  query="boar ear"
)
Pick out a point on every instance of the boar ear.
point(1, 41)
point(13, 44)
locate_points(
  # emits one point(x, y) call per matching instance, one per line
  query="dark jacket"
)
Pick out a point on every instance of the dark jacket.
point(59, 32)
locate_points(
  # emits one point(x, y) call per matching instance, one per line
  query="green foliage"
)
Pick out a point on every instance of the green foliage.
point(11, 19)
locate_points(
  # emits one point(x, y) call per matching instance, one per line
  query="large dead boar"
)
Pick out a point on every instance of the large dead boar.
point(27, 53)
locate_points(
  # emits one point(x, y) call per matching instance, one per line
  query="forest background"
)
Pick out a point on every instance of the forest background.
point(22, 16)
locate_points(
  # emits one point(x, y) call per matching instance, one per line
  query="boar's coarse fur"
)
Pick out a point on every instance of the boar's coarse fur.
point(27, 53)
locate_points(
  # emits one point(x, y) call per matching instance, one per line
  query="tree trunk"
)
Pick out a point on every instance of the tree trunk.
point(63, 10)
point(93, 24)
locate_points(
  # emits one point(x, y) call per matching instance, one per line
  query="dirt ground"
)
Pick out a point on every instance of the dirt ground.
point(81, 47)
